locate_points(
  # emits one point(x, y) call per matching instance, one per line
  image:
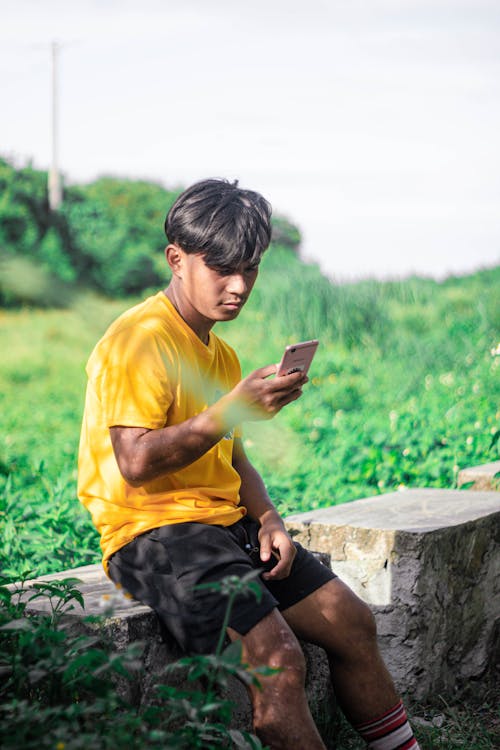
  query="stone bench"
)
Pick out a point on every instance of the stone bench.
point(483, 477)
point(428, 563)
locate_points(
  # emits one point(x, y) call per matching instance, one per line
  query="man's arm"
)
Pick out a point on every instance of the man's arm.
point(144, 455)
point(273, 537)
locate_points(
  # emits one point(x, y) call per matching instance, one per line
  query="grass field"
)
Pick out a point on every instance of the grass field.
point(404, 391)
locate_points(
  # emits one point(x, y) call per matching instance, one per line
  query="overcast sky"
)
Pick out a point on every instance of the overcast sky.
point(373, 124)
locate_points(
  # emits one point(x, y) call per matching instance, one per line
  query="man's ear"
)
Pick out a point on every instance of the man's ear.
point(175, 258)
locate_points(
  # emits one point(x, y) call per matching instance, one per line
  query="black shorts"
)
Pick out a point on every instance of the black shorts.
point(162, 567)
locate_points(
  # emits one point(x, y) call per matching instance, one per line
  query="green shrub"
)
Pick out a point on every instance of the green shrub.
point(58, 688)
point(107, 236)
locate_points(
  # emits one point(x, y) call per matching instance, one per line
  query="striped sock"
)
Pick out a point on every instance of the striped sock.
point(391, 731)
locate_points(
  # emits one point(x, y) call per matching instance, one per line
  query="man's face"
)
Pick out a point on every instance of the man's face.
point(215, 295)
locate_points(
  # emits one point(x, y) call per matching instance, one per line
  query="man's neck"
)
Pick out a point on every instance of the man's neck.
point(200, 326)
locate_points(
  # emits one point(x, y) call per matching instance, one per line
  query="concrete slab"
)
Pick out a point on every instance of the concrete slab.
point(407, 510)
point(98, 591)
point(483, 477)
point(427, 561)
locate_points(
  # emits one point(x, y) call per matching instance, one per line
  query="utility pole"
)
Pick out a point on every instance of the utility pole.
point(55, 192)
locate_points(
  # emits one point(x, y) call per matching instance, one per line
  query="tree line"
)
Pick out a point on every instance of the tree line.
point(107, 235)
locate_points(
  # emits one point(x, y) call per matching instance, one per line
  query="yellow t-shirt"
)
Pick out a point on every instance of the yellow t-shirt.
point(151, 370)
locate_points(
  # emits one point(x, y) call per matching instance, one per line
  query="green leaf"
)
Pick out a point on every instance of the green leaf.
point(467, 485)
point(232, 653)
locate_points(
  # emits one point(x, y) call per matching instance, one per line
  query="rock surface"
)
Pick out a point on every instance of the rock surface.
point(428, 563)
point(483, 477)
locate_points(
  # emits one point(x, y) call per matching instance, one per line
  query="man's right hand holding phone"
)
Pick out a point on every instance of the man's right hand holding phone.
point(259, 396)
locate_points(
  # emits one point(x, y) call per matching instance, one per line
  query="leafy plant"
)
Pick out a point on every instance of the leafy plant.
point(56, 676)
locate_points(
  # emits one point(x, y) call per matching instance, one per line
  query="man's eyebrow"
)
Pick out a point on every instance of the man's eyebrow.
point(234, 269)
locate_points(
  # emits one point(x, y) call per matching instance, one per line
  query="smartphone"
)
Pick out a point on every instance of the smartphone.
point(297, 357)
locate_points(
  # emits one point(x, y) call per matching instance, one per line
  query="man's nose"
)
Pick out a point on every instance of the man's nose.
point(237, 284)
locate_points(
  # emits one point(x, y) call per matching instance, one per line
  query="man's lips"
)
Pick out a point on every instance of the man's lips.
point(233, 304)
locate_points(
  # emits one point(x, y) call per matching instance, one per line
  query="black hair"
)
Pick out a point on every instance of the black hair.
point(222, 222)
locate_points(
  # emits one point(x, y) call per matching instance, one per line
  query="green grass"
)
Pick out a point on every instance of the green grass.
point(42, 385)
point(404, 391)
point(404, 388)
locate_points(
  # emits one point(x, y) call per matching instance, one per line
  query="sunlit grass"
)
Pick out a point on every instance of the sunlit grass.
point(403, 396)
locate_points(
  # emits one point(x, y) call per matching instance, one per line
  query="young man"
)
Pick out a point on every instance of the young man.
point(163, 472)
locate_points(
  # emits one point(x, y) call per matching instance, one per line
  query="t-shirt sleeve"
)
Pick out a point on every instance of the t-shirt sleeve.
point(130, 374)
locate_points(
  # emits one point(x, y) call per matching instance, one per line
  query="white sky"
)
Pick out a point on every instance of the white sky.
point(373, 124)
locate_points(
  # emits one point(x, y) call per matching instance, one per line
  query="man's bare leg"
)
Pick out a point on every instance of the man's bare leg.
point(334, 618)
point(281, 715)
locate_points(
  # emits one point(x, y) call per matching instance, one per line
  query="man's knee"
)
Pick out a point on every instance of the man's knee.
point(357, 631)
point(272, 643)
point(281, 691)
point(287, 657)
point(281, 715)
point(337, 604)
point(364, 620)
point(351, 625)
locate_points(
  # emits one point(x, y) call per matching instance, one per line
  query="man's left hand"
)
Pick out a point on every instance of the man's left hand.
point(276, 542)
